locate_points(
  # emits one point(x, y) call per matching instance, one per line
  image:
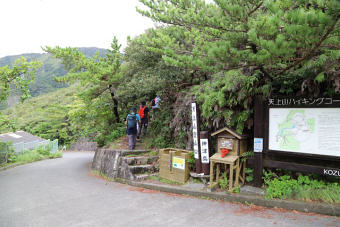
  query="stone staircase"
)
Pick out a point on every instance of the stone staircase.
point(140, 165)
point(132, 165)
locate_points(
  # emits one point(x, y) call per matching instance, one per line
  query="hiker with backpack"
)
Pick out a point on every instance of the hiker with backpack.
point(144, 115)
point(132, 122)
point(155, 105)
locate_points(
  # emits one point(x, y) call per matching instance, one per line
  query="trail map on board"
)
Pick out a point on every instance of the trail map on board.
point(305, 130)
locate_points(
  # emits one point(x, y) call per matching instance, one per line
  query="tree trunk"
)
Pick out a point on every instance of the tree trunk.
point(115, 104)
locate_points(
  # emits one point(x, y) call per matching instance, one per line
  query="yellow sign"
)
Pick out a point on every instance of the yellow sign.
point(178, 163)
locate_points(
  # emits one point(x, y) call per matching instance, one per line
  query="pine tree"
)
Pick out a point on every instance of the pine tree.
point(249, 48)
point(19, 76)
point(99, 77)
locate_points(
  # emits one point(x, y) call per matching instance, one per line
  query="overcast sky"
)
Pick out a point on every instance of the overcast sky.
point(26, 25)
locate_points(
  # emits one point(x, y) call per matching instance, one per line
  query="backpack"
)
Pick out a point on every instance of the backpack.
point(141, 111)
point(153, 102)
point(132, 121)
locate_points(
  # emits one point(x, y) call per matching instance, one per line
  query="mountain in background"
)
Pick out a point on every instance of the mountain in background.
point(44, 82)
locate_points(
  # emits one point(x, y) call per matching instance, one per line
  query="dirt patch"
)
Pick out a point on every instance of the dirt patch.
point(123, 144)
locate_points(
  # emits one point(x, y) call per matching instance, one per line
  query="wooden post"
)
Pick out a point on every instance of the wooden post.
point(196, 132)
point(259, 127)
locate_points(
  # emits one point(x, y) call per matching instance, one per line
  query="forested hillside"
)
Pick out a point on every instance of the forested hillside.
point(47, 116)
point(44, 80)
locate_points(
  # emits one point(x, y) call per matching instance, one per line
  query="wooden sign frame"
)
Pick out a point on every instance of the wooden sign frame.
point(300, 162)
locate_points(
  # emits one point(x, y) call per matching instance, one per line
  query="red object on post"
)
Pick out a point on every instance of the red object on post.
point(224, 152)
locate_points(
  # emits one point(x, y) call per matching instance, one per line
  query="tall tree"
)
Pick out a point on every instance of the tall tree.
point(249, 48)
point(19, 76)
point(98, 76)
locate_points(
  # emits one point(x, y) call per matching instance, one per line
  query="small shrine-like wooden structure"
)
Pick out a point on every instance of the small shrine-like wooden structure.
point(236, 145)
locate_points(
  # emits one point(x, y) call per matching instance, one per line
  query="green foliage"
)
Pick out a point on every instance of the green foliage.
point(99, 78)
point(159, 131)
point(268, 176)
point(29, 156)
point(118, 130)
point(191, 161)
point(246, 155)
point(19, 76)
point(237, 189)
point(3, 152)
point(48, 116)
point(281, 188)
point(44, 79)
point(7, 153)
point(303, 188)
point(223, 182)
point(153, 153)
point(248, 48)
point(249, 174)
point(12, 156)
point(57, 154)
point(43, 150)
point(163, 180)
point(40, 153)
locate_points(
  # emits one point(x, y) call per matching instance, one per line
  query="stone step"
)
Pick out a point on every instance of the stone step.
point(140, 160)
point(138, 169)
point(134, 152)
point(144, 176)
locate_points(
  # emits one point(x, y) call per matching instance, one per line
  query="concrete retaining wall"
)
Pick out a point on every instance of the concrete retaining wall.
point(110, 163)
point(84, 146)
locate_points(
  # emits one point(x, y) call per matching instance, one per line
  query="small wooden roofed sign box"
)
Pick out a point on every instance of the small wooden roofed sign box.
point(231, 140)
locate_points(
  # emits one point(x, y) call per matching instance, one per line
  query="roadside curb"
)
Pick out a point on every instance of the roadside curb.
point(11, 166)
point(319, 208)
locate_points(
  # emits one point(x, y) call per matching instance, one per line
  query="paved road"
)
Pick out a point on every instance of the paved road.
point(62, 192)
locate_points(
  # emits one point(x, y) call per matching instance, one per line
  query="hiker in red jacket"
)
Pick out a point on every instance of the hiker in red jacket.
point(143, 112)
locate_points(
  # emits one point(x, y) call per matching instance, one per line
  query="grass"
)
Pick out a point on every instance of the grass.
point(103, 175)
point(29, 156)
point(131, 155)
point(165, 181)
point(33, 156)
point(151, 153)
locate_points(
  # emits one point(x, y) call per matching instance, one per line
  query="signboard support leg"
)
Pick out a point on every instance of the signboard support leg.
point(258, 166)
point(259, 128)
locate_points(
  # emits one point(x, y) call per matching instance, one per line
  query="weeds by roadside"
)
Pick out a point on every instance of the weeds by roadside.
point(163, 180)
point(28, 156)
point(306, 188)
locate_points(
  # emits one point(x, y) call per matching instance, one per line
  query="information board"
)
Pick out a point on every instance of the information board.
point(305, 130)
point(178, 163)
